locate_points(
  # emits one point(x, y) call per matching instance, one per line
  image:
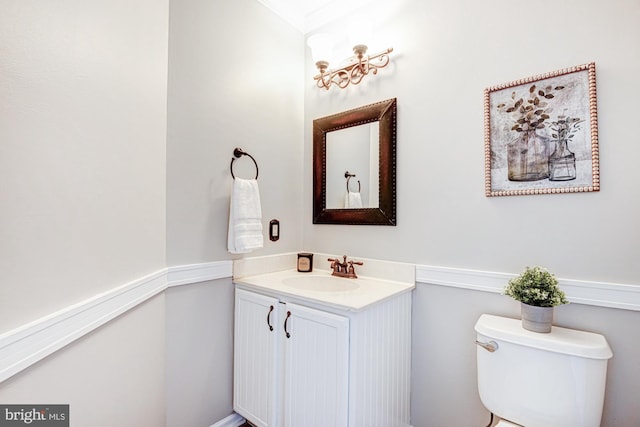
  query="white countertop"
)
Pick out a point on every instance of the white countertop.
point(369, 291)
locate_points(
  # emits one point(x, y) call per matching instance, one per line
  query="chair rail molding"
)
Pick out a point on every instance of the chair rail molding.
point(32, 342)
point(602, 294)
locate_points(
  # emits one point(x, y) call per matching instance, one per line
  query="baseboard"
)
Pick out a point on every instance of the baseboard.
point(233, 420)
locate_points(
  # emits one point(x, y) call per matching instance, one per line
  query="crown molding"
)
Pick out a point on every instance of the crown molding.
point(309, 15)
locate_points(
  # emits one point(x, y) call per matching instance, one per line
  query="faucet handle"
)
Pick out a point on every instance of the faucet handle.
point(351, 271)
point(335, 264)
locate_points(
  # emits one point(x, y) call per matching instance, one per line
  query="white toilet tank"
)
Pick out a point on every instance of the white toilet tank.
point(541, 380)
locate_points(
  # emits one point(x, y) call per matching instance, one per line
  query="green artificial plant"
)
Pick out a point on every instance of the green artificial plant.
point(536, 286)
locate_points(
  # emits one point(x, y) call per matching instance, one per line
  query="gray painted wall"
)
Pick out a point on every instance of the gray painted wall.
point(82, 161)
point(198, 354)
point(82, 181)
point(445, 55)
point(230, 86)
point(113, 376)
point(444, 386)
point(87, 189)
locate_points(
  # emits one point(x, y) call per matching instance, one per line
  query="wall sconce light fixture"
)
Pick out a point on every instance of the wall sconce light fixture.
point(352, 73)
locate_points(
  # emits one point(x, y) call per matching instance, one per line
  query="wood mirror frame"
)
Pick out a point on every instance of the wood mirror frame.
point(385, 214)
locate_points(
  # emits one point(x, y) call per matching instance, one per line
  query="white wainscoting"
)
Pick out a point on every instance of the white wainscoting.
point(26, 345)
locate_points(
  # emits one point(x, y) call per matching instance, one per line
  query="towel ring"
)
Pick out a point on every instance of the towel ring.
point(237, 153)
point(349, 176)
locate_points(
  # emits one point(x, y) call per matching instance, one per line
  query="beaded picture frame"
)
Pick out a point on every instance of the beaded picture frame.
point(541, 134)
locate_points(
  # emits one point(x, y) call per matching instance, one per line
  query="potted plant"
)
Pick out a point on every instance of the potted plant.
point(538, 292)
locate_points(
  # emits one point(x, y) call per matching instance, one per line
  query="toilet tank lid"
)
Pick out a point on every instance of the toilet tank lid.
point(559, 340)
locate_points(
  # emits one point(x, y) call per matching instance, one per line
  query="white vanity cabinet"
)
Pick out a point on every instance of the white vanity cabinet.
point(299, 364)
point(255, 357)
point(290, 363)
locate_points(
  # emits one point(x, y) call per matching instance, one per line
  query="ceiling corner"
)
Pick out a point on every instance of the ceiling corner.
point(289, 10)
point(309, 15)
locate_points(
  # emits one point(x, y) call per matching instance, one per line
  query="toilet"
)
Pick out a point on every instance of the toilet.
point(534, 379)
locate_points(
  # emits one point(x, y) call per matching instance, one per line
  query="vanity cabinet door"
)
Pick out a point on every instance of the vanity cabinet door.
point(316, 367)
point(255, 341)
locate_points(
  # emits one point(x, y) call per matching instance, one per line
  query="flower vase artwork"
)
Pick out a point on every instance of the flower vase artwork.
point(541, 134)
point(527, 157)
point(562, 162)
point(528, 154)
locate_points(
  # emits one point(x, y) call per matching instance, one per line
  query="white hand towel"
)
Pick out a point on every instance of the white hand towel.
point(245, 217)
point(352, 200)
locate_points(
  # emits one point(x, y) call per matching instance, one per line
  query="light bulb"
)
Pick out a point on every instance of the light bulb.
point(321, 45)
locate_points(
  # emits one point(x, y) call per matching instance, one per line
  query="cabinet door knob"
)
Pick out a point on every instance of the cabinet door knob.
point(269, 318)
point(288, 335)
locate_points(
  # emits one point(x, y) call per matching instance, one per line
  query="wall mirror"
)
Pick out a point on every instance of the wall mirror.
point(354, 166)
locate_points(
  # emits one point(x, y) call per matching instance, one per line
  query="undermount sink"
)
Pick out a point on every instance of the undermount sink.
point(321, 283)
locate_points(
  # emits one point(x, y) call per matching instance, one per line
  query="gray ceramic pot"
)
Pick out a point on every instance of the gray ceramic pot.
point(537, 319)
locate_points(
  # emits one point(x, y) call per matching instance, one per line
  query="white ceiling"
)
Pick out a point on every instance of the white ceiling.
point(308, 15)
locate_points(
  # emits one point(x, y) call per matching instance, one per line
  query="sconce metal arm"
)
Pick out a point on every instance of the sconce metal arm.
point(354, 72)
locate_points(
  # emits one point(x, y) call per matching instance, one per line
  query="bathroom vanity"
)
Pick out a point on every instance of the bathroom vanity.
point(316, 350)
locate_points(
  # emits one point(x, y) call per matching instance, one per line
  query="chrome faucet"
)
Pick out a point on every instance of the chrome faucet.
point(344, 268)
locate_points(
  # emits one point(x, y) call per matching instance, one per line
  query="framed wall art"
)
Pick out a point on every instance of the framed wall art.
point(541, 134)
